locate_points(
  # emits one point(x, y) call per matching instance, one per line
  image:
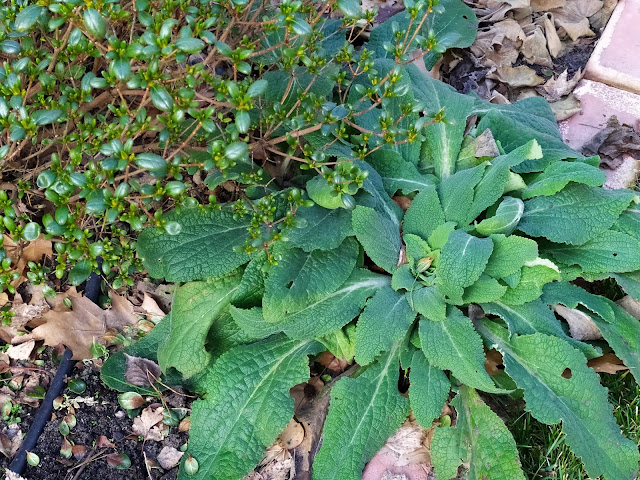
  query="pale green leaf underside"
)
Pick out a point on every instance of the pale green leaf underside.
point(203, 248)
point(247, 405)
point(384, 321)
point(363, 413)
point(454, 345)
point(579, 402)
point(196, 306)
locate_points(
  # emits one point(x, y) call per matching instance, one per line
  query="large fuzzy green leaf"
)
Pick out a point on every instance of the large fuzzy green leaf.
point(363, 413)
point(302, 278)
point(480, 440)
point(324, 230)
point(424, 214)
point(574, 215)
point(510, 254)
point(559, 174)
point(559, 387)
point(525, 120)
point(397, 173)
point(608, 252)
point(335, 309)
point(535, 317)
point(203, 248)
point(196, 307)
point(457, 192)
point(429, 390)
point(505, 220)
point(384, 321)
point(246, 406)
point(371, 228)
point(454, 345)
point(630, 283)
point(462, 261)
point(534, 276)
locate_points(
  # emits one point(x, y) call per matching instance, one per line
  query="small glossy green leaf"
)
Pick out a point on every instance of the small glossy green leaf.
point(95, 23)
point(45, 117)
point(190, 45)
point(27, 17)
point(161, 99)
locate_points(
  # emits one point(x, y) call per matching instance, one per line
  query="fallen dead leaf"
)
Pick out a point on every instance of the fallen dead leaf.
point(292, 435)
point(22, 351)
point(85, 324)
point(612, 142)
point(149, 424)
point(631, 305)
point(581, 326)
point(139, 371)
point(534, 49)
point(558, 87)
point(516, 77)
point(151, 309)
point(169, 457)
point(607, 363)
point(565, 108)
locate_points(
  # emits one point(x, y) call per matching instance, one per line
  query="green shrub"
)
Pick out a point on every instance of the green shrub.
point(120, 111)
point(490, 243)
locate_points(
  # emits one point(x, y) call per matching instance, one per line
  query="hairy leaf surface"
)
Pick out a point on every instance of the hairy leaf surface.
point(384, 321)
point(559, 174)
point(247, 405)
point(363, 413)
point(325, 229)
point(429, 390)
point(424, 214)
point(203, 248)
point(579, 401)
point(574, 215)
point(480, 440)
point(510, 254)
point(379, 235)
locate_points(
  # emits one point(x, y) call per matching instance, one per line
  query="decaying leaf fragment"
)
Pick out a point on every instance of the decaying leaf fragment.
point(140, 372)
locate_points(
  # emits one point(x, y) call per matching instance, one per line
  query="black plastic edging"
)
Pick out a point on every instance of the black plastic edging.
point(19, 462)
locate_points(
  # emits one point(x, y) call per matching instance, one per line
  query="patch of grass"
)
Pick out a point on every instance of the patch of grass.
point(542, 448)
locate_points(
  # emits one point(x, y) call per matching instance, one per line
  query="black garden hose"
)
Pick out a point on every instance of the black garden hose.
point(19, 462)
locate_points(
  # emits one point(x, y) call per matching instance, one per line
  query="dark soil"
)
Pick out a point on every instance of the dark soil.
point(107, 418)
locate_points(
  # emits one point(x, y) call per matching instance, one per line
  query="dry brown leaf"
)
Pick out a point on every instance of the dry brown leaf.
point(625, 175)
point(85, 324)
point(631, 305)
point(149, 424)
point(291, 436)
point(493, 362)
point(546, 5)
point(557, 87)
point(607, 363)
point(565, 108)
point(517, 77)
point(22, 351)
point(138, 371)
point(169, 457)
point(151, 309)
point(573, 20)
point(404, 455)
point(581, 326)
point(4, 299)
point(613, 142)
point(534, 49)
point(497, 9)
point(501, 55)
point(485, 145)
point(554, 45)
point(600, 18)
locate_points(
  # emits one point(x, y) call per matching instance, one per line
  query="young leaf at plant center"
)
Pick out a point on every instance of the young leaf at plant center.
point(429, 302)
point(203, 248)
point(510, 254)
point(456, 194)
point(535, 275)
point(363, 413)
point(196, 306)
point(325, 229)
point(462, 260)
point(379, 235)
point(454, 345)
point(385, 320)
point(302, 278)
point(485, 289)
point(428, 391)
point(559, 174)
point(247, 405)
point(424, 214)
point(505, 220)
point(574, 215)
point(480, 440)
point(335, 309)
point(559, 387)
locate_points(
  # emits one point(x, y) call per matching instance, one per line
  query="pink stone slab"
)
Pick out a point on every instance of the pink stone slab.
point(616, 58)
point(599, 102)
